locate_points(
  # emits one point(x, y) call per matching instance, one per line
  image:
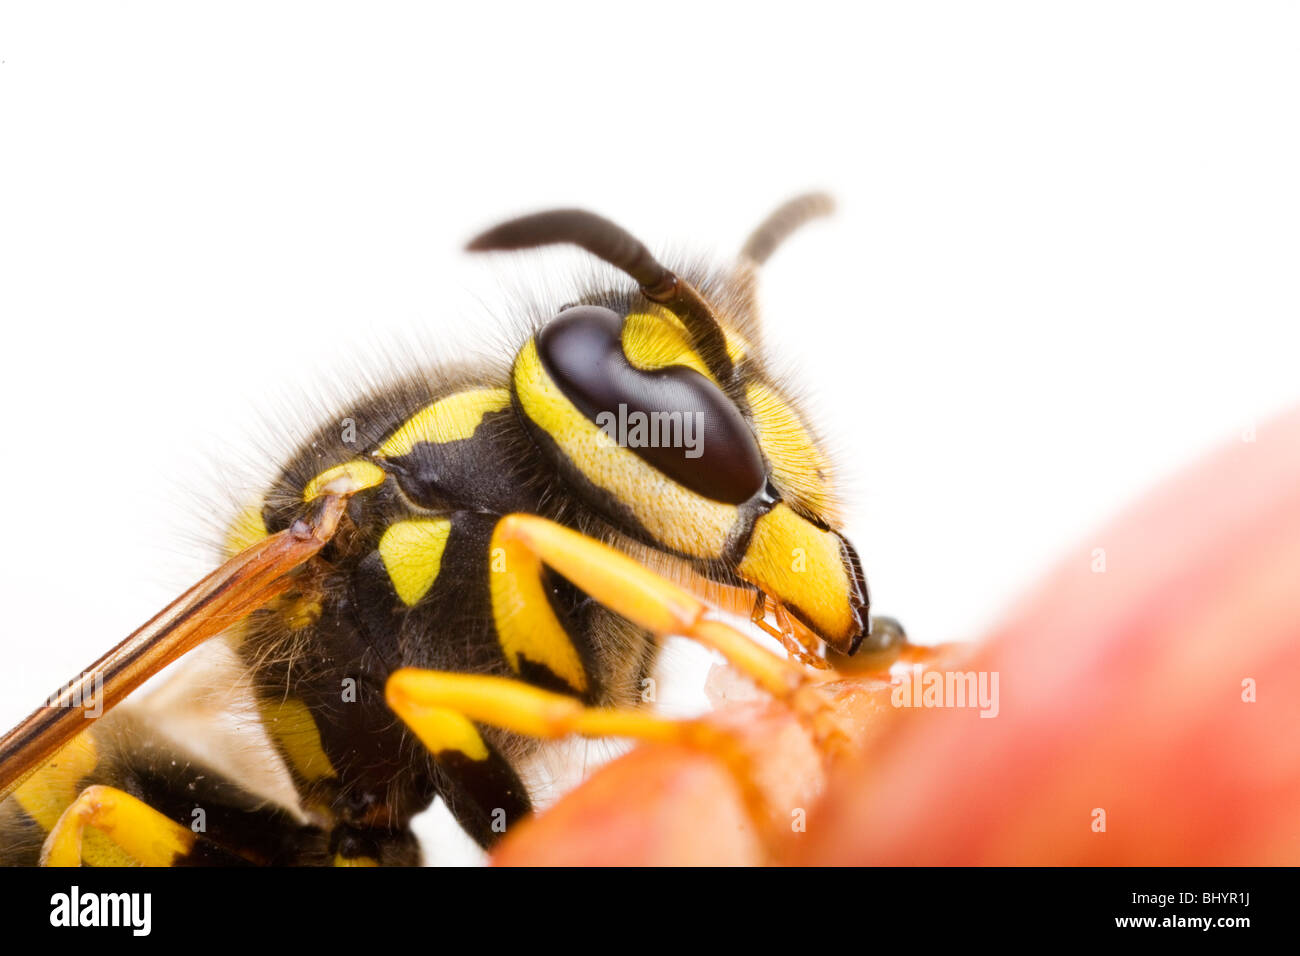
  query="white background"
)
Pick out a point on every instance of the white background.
point(1064, 263)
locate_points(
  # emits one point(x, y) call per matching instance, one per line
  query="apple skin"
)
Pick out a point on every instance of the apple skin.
point(1159, 696)
point(1125, 691)
point(642, 809)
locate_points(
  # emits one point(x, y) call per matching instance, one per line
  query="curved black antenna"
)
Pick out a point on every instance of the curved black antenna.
point(784, 220)
point(621, 249)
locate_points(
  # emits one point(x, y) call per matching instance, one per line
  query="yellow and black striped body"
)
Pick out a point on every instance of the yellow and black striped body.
point(417, 579)
point(419, 575)
point(237, 826)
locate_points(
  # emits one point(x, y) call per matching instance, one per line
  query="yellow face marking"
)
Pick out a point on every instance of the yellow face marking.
point(246, 530)
point(674, 516)
point(799, 467)
point(526, 624)
point(51, 789)
point(658, 339)
point(351, 476)
point(453, 418)
point(799, 564)
point(136, 828)
point(736, 346)
point(412, 555)
point(291, 724)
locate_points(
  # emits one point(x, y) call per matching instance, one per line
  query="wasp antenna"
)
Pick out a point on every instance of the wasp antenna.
point(596, 234)
point(614, 244)
point(783, 221)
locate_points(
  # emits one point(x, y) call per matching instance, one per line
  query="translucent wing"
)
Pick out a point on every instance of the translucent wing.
point(222, 598)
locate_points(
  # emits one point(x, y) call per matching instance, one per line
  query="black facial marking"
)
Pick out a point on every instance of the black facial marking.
point(582, 351)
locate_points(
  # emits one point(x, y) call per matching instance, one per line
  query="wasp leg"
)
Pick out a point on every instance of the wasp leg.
point(227, 813)
point(626, 587)
point(643, 597)
point(445, 710)
point(478, 784)
point(442, 708)
point(799, 644)
point(132, 826)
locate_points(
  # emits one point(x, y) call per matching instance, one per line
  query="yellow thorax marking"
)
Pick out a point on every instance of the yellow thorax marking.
point(412, 555)
point(449, 419)
point(340, 860)
point(246, 530)
point(526, 624)
point(683, 521)
point(291, 724)
point(351, 476)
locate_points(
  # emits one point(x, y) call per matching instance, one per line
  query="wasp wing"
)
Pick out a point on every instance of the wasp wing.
point(219, 600)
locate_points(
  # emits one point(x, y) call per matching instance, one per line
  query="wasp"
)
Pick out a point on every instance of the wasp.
point(483, 558)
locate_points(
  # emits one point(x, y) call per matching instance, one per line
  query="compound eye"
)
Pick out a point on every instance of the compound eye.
point(673, 418)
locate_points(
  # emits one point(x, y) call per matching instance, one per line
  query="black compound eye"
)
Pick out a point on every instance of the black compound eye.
point(673, 418)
